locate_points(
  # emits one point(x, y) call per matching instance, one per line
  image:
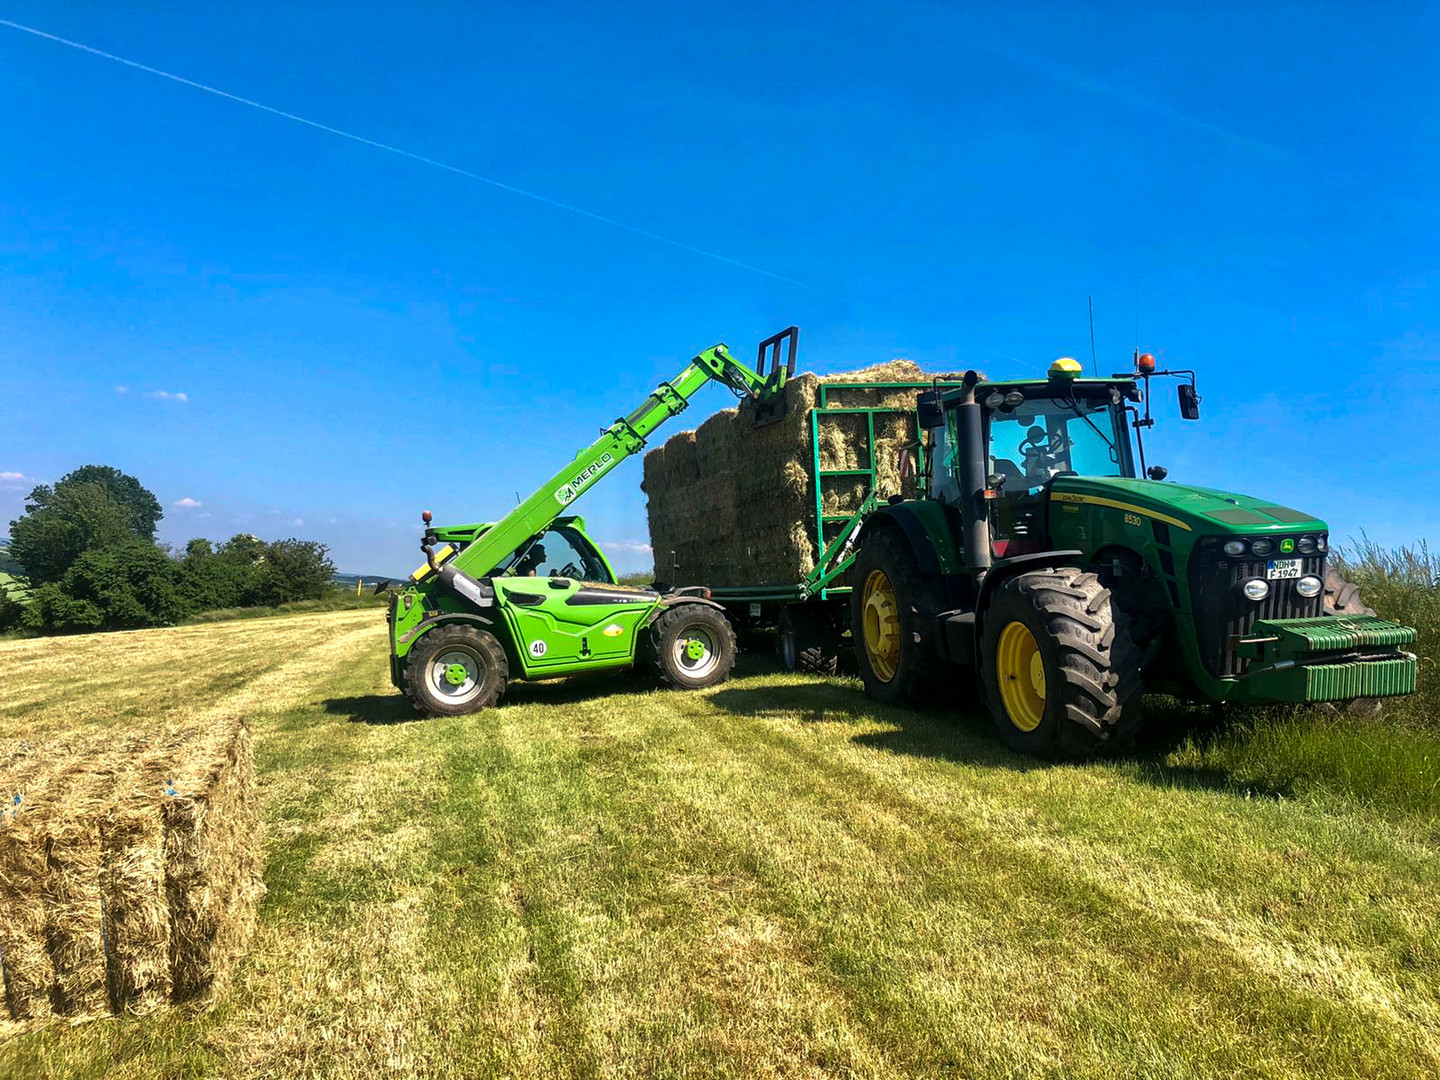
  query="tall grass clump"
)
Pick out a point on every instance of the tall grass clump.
point(1387, 760)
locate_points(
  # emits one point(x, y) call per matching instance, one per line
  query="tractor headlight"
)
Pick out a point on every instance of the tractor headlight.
point(1306, 545)
point(1309, 586)
point(1261, 547)
point(1320, 543)
point(1256, 589)
point(1235, 548)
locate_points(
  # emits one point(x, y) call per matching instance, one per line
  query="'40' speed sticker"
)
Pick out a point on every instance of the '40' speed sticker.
point(538, 648)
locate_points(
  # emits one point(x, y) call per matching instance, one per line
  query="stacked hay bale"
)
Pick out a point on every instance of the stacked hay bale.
point(130, 869)
point(735, 503)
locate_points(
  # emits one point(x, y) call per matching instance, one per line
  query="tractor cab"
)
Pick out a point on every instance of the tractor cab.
point(1032, 432)
point(564, 549)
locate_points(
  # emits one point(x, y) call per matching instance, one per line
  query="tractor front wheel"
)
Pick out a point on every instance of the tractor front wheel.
point(454, 670)
point(692, 646)
point(1061, 673)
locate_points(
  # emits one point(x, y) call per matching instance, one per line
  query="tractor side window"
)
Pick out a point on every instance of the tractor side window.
point(559, 552)
point(944, 467)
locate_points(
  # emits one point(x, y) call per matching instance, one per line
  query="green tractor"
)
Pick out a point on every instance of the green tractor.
point(531, 596)
point(1044, 561)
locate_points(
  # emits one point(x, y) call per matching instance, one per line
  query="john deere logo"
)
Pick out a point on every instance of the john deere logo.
point(1287, 546)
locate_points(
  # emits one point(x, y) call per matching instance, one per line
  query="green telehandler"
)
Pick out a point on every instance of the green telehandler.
point(531, 596)
point(1041, 560)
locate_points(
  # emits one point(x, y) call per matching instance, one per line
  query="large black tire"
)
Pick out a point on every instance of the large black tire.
point(1084, 669)
point(894, 634)
point(445, 654)
point(1342, 597)
point(806, 641)
point(692, 646)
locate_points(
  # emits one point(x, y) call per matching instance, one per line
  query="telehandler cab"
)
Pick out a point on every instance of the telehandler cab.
point(1042, 560)
point(531, 596)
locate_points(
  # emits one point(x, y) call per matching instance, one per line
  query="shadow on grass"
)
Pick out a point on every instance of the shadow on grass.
point(373, 709)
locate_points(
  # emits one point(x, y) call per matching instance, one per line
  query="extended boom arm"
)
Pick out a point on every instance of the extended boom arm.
point(619, 441)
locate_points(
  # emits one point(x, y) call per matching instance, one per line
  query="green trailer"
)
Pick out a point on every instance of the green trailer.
point(812, 616)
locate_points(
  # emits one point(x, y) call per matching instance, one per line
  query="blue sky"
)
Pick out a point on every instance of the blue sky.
point(358, 336)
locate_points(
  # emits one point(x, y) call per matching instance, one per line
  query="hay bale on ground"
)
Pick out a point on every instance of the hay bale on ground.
point(736, 503)
point(130, 874)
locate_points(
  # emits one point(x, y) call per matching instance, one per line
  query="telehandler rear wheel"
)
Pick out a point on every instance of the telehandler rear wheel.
point(807, 642)
point(692, 646)
point(1061, 673)
point(454, 670)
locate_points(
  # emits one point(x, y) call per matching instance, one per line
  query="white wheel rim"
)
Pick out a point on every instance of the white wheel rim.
point(453, 693)
point(695, 667)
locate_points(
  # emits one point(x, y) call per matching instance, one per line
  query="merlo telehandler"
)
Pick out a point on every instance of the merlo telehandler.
point(531, 596)
point(1041, 560)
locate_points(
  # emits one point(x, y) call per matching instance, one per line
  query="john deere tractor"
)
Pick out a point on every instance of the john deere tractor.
point(1044, 560)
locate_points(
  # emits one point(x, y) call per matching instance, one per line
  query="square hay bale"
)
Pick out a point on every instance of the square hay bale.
point(129, 872)
point(736, 503)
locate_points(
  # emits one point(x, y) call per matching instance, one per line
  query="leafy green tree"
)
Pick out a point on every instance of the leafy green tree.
point(12, 612)
point(92, 507)
point(208, 580)
point(294, 570)
point(125, 586)
point(243, 548)
point(198, 548)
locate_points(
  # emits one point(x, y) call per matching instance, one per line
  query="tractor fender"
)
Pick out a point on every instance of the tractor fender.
point(961, 631)
point(914, 530)
point(673, 601)
point(446, 617)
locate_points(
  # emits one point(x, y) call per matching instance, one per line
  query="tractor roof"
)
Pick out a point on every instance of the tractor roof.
point(1048, 387)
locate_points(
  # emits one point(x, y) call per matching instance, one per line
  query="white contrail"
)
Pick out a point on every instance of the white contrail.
point(403, 153)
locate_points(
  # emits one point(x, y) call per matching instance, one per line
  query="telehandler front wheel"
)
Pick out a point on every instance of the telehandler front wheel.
point(454, 670)
point(692, 646)
point(1061, 673)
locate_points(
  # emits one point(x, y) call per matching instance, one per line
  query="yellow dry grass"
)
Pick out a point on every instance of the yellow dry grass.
point(773, 878)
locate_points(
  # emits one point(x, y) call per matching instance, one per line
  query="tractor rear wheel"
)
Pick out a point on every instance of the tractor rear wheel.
point(1061, 673)
point(454, 670)
point(806, 641)
point(692, 646)
point(892, 614)
point(1342, 597)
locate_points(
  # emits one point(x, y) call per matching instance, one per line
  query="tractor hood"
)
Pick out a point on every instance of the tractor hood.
point(1205, 510)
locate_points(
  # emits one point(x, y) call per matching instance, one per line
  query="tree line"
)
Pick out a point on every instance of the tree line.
point(86, 546)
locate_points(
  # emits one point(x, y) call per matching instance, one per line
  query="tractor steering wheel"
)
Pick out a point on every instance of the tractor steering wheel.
point(570, 570)
point(1040, 452)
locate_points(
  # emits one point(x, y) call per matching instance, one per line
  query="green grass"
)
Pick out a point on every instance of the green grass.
point(10, 584)
point(341, 600)
point(773, 878)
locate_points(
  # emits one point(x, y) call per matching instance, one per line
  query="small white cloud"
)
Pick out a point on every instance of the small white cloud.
point(639, 547)
point(297, 521)
point(158, 395)
point(15, 480)
point(187, 503)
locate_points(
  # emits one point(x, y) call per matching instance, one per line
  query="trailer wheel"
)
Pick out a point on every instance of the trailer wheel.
point(455, 670)
point(806, 641)
point(892, 611)
point(1061, 673)
point(692, 646)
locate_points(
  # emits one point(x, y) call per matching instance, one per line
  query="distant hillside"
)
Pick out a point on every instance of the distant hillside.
point(370, 580)
point(9, 569)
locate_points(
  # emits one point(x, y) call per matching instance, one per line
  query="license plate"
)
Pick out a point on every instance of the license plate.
point(1280, 569)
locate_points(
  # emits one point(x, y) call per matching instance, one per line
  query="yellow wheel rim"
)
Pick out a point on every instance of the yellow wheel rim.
point(882, 625)
point(1021, 674)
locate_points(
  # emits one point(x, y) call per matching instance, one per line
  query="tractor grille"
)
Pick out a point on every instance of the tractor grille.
point(1222, 612)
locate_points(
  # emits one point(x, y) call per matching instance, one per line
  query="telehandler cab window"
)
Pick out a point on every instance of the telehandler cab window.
point(558, 552)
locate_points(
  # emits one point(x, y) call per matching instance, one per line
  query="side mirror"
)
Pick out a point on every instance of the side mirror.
point(1157, 472)
point(928, 409)
point(1189, 402)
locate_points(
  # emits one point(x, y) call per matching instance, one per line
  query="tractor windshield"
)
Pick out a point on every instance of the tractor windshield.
point(1043, 437)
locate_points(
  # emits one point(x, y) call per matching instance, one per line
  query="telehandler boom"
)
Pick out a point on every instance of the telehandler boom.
point(531, 596)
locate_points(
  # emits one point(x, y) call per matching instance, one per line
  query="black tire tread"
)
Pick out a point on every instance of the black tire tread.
point(920, 673)
point(1343, 597)
point(817, 644)
point(441, 637)
point(1099, 662)
point(669, 623)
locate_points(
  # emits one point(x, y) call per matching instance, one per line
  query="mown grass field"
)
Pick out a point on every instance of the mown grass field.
point(773, 878)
